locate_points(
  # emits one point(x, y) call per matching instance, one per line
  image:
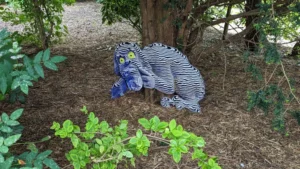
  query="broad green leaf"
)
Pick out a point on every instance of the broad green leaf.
point(173, 143)
point(25, 76)
point(51, 163)
point(75, 140)
point(199, 154)
point(45, 138)
point(1, 158)
point(162, 125)
point(12, 139)
point(12, 123)
point(50, 65)
point(30, 71)
point(38, 163)
point(61, 133)
point(46, 55)
point(176, 133)
point(39, 70)
point(123, 124)
point(74, 157)
point(172, 124)
point(16, 83)
point(89, 126)
point(38, 58)
point(176, 156)
point(58, 59)
point(179, 127)
point(24, 88)
point(4, 117)
point(55, 126)
point(1, 141)
point(76, 165)
point(132, 162)
point(27, 61)
point(82, 164)
point(32, 147)
point(154, 122)
point(183, 149)
point(98, 141)
point(101, 149)
point(68, 126)
point(200, 142)
point(30, 157)
point(117, 147)
point(84, 110)
point(3, 149)
point(139, 133)
point(3, 84)
point(145, 123)
point(6, 129)
point(127, 154)
point(43, 155)
point(7, 164)
point(16, 114)
point(133, 141)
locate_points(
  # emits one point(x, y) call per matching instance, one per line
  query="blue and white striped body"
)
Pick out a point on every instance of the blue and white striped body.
point(165, 69)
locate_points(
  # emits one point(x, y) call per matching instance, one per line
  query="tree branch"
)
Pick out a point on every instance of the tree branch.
point(281, 9)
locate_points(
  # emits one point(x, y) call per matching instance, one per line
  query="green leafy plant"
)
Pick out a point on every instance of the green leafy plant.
point(42, 20)
point(278, 91)
point(102, 146)
point(10, 133)
point(114, 11)
point(18, 70)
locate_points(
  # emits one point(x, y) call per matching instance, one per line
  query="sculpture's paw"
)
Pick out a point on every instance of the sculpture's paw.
point(165, 102)
point(134, 83)
point(195, 108)
point(116, 92)
point(179, 106)
point(178, 102)
point(148, 82)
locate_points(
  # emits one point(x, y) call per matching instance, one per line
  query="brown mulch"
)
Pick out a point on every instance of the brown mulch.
point(239, 139)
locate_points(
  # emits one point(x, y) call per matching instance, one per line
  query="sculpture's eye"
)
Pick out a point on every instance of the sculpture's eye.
point(121, 60)
point(131, 55)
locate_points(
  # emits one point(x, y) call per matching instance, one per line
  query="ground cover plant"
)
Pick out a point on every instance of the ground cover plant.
point(10, 133)
point(18, 71)
point(102, 146)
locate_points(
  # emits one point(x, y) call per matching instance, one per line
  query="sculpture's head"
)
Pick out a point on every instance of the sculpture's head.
point(126, 63)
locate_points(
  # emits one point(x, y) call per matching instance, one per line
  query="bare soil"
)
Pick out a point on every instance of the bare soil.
point(239, 139)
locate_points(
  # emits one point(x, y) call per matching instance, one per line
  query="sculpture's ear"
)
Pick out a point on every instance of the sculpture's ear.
point(116, 66)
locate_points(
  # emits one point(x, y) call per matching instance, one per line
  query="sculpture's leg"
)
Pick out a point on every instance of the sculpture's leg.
point(119, 88)
point(132, 77)
point(166, 102)
point(164, 80)
point(191, 105)
point(147, 77)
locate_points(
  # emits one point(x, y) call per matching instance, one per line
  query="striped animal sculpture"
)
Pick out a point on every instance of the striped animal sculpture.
point(161, 67)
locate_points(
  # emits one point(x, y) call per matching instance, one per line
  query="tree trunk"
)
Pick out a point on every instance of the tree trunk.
point(158, 26)
point(225, 31)
point(251, 38)
point(157, 23)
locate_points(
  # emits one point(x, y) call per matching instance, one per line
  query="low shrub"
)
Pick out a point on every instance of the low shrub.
point(102, 146)
point(10, 133)
point(18, 71)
